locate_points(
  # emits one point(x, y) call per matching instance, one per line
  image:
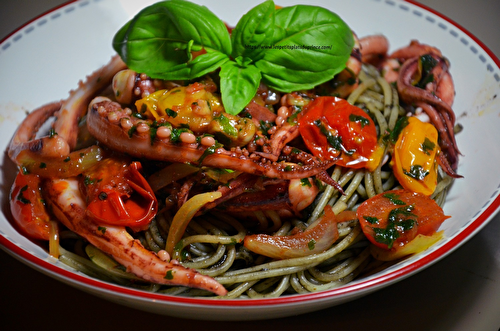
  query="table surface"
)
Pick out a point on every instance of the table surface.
point(461, 292)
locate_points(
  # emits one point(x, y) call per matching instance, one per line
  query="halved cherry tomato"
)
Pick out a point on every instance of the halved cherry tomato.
point(27, 207)
point(119, 195)
point(394, 218)
point(414, 157)
point(331, 127)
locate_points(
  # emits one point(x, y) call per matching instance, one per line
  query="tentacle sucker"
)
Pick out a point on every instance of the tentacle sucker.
point(145, 144)
point(72, 110)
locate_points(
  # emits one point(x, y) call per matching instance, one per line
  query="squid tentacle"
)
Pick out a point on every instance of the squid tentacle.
point(108, 130)
point(24, 137)
point(68, 113)
point(67, 203)
point(440, 113)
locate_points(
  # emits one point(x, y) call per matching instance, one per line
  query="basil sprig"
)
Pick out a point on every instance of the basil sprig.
point(288, 49)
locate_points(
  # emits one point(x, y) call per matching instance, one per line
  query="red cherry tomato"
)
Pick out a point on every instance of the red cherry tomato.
point(392, 219)
point(119, 195)
point(27, 207)
point(331, 127)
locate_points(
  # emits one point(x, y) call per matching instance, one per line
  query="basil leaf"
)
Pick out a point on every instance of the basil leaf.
point(238, 85)
point(315, 45)
point(252, 30)
point(161, 37)
point(201, 65)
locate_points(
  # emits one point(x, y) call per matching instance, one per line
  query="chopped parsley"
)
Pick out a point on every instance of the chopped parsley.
point(209, 151)
point(87, 180)
point(226, 125)
point(311, 244)
point(52, 133)
point(305, 182)
point(398, 128)
point(427, 63)
point(371, 219)
point(400, 219)
point(416, 172)
point(427, 146)
point(171, 113)
point(265, 127)
point(20, 197)
point(359, 119)
point(394, 198)
point(169, 275)
point(132, 130)
point(24, 170)
point(175, 135)
point(334, 141)
point(139, 115)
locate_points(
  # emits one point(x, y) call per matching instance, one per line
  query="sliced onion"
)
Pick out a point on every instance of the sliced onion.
point(184, 216)
point(61, 167)
point(54, 239)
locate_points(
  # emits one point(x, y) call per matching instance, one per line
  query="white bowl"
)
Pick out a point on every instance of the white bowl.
point(57, 50)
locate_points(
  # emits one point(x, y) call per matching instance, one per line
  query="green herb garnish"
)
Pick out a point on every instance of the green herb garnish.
point(427, 146)
point(394, 199)
point(21, 197)
point(371, 219)
point(268, 44)
point(171, 113)
point(416, 172)
point(427, 63)
point(169, 275)
point(399, 218)
point(363, 121)
point(305, 182)
point(398, 128)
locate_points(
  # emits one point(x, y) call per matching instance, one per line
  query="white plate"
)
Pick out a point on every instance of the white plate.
point(48, 56)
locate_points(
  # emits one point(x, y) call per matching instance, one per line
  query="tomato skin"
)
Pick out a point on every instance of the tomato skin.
point(373, 215)
point(355, 128)
point(118, 194)
point(27, 207)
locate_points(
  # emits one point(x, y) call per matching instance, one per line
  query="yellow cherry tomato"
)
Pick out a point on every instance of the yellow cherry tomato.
point(414, 157)
point(196, 108)
point(191, 105)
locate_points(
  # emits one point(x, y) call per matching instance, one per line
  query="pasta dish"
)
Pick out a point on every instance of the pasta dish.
point(281, 156)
